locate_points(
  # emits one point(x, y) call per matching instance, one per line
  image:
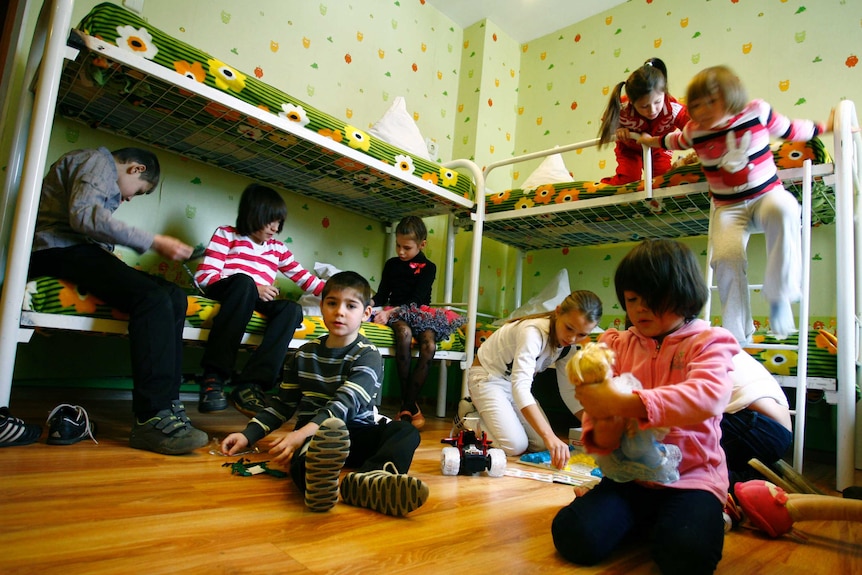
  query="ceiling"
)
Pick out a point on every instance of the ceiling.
point(523, 20)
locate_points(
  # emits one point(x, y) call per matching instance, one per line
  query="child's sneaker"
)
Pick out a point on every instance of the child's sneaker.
point(384, 491)
point(326, 454)
point(68, 424)
point(167, 433)
point(212, 397)
point(14, 431)
point(248, 399)
point(732, 514)
point(466, 417)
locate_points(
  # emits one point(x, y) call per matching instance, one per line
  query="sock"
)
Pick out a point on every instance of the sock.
point(781, 319)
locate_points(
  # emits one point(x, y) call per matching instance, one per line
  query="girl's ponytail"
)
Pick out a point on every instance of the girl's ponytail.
point(611, 117)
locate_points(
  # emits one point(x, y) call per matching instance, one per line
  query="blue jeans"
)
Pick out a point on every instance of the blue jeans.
point(747, 434)
point(683, 527)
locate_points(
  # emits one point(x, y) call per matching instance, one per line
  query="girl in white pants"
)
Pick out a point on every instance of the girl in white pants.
point(505, 365)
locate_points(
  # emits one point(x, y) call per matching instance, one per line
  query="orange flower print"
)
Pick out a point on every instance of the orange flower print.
point(83, 303)
point(482, 336)
point(680, 179)
point(827, 341)
point(567, 195)
point(334, 135)
point(193, 306)
point(792, 154)
point(544, 194)
point(524, 203)
point(500, 197)
point(222, 112)
point(193, 71)
point(430, 177)
point(348, 164)
point(592, 187)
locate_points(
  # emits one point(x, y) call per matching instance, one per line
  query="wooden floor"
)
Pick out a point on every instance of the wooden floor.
point(107, 508)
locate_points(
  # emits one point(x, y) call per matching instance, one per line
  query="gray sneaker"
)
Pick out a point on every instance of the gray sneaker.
point(384, 490)
point(167, 433)
point(326, 454)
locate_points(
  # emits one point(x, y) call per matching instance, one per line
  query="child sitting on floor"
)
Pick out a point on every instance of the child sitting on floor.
point(331, 384)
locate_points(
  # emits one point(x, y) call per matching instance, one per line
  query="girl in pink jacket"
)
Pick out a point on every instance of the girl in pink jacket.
point(682, 364)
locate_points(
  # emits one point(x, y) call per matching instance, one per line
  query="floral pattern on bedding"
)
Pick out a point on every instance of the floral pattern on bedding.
point(52, 295)
point(115, 25)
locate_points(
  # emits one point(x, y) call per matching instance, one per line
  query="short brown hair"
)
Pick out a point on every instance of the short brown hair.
point(718, 80)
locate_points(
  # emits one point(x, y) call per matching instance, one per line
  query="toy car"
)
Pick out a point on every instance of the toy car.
point(469, 454)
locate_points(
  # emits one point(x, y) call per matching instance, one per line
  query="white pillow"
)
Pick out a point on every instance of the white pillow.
point(551, 171)
point(548, 299)
point(397, 127)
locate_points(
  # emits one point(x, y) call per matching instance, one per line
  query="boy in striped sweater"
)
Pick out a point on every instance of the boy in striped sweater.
point(239, 269)
point(332, 384)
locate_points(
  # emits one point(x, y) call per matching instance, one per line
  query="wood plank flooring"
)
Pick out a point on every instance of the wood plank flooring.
point(106, 508)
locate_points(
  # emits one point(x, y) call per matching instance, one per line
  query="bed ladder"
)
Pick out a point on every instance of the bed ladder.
point(801, 346)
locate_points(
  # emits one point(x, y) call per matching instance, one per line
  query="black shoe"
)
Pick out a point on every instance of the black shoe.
point(212, 396)
point(248, 399)
point(168, 432)
point(69, 424)
point(14, 431)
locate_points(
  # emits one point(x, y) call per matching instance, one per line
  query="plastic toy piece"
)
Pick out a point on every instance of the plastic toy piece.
point(469, 454)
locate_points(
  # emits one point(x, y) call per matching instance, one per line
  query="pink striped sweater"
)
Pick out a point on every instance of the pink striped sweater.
point(229, 253)
point(736, 158)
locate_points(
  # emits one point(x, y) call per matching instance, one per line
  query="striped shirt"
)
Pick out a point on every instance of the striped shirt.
point(230, 253)
point(321, 382)
point(759, 174)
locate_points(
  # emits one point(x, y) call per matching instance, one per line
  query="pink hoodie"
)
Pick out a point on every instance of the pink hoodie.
point(685, 388)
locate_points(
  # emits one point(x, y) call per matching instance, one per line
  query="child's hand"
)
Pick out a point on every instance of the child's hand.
point(283, 449)
point(234, 443)
point(171, 248)
point(382, 317)
point(267, 293)
point(598, 399)
point(649, 141)
point(623, 134)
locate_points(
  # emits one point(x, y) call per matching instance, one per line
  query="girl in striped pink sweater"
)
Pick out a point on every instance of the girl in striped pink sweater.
point(239, 270)
point(731, 137)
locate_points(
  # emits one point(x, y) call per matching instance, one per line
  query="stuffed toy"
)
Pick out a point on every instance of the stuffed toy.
point(641, 455)
point(773, 510)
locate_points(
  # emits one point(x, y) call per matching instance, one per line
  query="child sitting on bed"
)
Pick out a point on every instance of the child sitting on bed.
point(405, 294)
point(683, 365)
point(74, 240)
point(332, 384)
point(731, 137)
point(649, 109)
point(239, 269)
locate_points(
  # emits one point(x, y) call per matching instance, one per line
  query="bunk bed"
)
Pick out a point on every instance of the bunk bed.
point(120, 74)
point(676, 205)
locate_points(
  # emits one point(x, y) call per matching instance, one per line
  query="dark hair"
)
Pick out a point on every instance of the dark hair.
point(258, 207)
point(348, 280)
point(666, 274)
point(413, 227)
point(151, 174)
point(583, 301)
point(650, 77)
point(718, 80)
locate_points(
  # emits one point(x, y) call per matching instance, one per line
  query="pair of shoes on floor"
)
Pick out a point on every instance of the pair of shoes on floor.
point(68, 424)
point(416, 419)
point(212, 397)
point(326, 454)
point(14, 431)
point(384, 490)
point(169, 432)
point(249, 399)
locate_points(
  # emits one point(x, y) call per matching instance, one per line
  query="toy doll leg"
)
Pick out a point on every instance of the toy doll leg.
point(728, 237)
